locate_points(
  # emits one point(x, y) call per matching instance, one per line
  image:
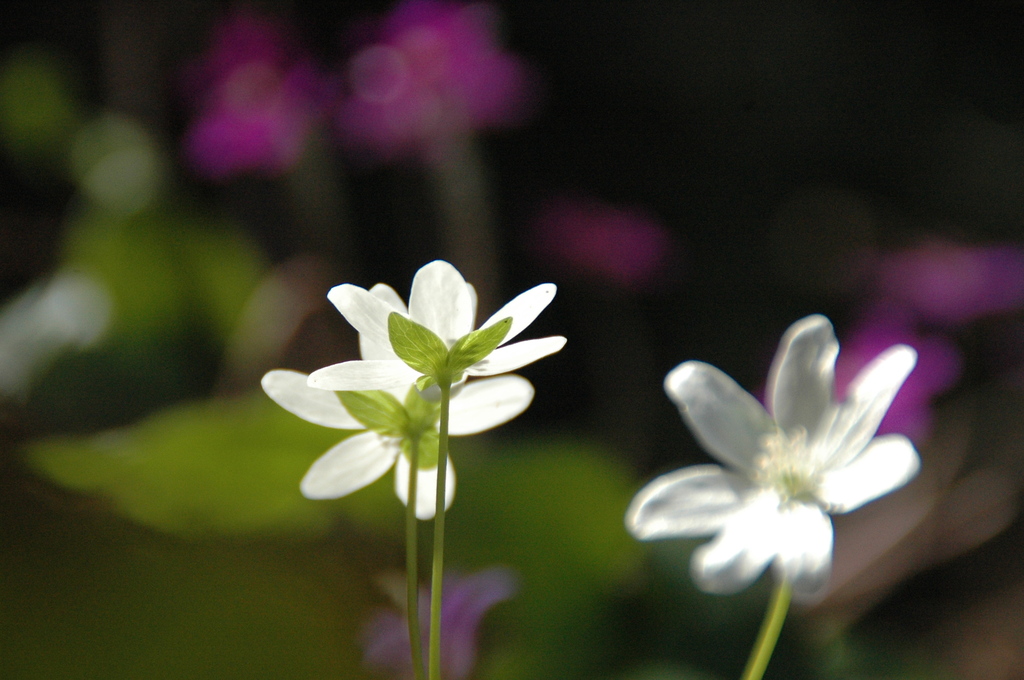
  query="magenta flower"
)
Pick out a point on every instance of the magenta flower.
point(256, 95)
point(466, 600)
point(432, 72)
point(939, 365)
point(622, 246)
point(946, 283)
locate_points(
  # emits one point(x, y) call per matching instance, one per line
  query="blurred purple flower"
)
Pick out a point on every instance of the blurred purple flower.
point(623, 246)
point(466, 600)
point(432, 71)
point(256, 96)
point(946, 283)
point(939, 364)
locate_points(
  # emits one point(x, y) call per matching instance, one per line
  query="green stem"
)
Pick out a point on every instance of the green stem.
point(769, 634)
point(412, 609)
point(436, 577)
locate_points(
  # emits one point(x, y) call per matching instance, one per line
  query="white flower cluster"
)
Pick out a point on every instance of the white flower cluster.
point(390, 411)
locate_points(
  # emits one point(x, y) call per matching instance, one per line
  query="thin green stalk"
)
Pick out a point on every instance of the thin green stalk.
point(769, 635)
point(436, 577)
point(412, 608)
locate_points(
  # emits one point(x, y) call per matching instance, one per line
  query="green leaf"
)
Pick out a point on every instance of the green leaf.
point(473, 347)
point(218, 466)
point(166, 270)
point(551, 509)
point(423, 414)
point(425, 382)
point(38, 110)
point(417, 345)
point(429, 441)
point(377, 410)
point(125, 602)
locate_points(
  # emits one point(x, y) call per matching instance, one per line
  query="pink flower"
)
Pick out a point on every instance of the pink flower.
point(946, 283)
point(622, 246)
point(256, 96)
point(466, 600)
point(432, 72)
point(939, 365)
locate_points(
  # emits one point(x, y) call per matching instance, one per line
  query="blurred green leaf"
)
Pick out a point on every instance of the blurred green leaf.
point(38, 114)
point(554, 511)
point(117, 164)
point(222, 267)
point(378, 410)
point(666, 672)
point(210, 467)
point(429, 443)
point(166, 270)
point(81, 599)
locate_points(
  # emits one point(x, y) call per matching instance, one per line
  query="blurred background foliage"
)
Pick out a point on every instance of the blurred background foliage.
point(694, 176)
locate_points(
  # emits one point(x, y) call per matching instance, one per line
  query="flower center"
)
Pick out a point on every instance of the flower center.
point(785, 466)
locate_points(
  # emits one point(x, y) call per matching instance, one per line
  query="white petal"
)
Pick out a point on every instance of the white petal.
point(441, 301)
point(426, 487)
point(363, 375)
point(473, 300)
point(694, 501)
point(800, 384)
point(484, 404)
point(367, 313)
point(373, 346)
point(804, 544)
point(290, 391)
point(724, 417)
point(383, 291)
point(516, 355)
point(354, 463)
point(741, 551)
point(886, 464)
point(523, 309)
point(870, 395)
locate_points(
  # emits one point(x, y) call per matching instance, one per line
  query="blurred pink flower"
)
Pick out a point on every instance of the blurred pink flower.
point(432, 71)
point(946, 283)
point(939, 365)
point(256, 96)
point(466, 600)
point(623, 246)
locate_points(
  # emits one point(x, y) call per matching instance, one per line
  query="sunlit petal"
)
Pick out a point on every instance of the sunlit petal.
point(694, 501)
point(869, 397)
point(426, 487)
point(441, 301)
point(516, 355)
point(371, 346)
point(523, 309)
point(886, 464)
point(800, 384)
point(354, 463)
point(367, 313)
point(363, 375)
point(474, 300)
point(724, 417)
point(484, 404)
point(804, 542)
point(383, 291)
point(290, 391)
point(740, 552)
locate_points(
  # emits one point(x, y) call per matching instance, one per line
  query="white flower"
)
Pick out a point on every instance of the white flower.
point(442, 301)
point(363, 458)
point(787, 467)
